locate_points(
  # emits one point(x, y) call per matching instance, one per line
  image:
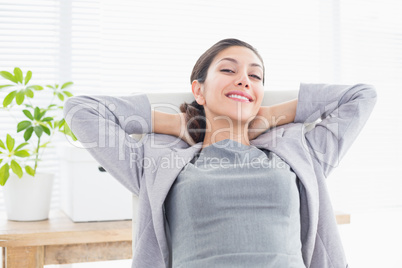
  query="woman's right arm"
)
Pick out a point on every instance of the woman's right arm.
point(103, 125)
point(171, 124)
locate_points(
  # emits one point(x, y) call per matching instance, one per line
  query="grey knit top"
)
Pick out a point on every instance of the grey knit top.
point(234, 205)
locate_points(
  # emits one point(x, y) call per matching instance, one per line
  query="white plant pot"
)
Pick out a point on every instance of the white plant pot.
point(28, 198)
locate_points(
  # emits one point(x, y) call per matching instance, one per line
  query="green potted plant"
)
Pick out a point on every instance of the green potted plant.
point(27, 192)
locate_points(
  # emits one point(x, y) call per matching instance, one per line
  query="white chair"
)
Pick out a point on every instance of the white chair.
point(170, 103)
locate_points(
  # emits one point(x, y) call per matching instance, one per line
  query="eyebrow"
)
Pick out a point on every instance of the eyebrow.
point(235, 61)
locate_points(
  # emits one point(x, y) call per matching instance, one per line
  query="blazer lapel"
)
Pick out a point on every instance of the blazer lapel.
point(294, 152)
point(168, 169)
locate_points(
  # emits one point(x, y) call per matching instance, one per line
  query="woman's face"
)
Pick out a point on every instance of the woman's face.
point(233, 87)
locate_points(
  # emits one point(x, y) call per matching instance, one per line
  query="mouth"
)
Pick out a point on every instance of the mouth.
point(239, 96)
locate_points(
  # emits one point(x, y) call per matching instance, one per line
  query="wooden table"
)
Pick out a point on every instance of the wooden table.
point(61, 241)
point(342, 218)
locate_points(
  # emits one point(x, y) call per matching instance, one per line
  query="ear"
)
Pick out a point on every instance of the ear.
point(198, 92)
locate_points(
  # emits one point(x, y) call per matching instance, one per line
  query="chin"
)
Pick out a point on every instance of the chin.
point(244, 118)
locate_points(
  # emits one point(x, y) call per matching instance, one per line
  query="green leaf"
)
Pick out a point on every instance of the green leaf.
point(50, 86)
point(3, 86)
point(51, 106)
point(47, 119)
point(28, 114)
point(30, 170)
point(22, 153)
point(4, 174)
point(42, 114)
point(8, 76)
point(28, 133)
point(29, 93)
point(46, 130)
point(16, 168)
point(36, 113)
point(38, 131)
point(61, 96)
point(28, 77)
point(18, 75)
point(67, 93)
point(9, 98)
point(10, 143)
point(23, 125)
point(20, 97)
point(61, 123)
point(21, 145)
point(44, 145)
point(2, 145)
point(67, 131)
point(66, 85)
point(36, 87)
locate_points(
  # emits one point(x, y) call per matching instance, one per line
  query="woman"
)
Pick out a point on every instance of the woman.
point(229, 193)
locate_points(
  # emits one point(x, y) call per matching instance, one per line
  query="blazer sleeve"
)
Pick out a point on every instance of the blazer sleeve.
point(103, 125)
point(337, 114)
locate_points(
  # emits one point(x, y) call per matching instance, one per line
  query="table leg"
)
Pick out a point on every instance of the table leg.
point(27, 257)
point(3, 252)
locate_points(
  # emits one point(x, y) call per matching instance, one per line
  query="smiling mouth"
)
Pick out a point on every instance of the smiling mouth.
point(236, 97)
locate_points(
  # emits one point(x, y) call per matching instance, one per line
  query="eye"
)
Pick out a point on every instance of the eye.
point(255, 76)
point(227, 71)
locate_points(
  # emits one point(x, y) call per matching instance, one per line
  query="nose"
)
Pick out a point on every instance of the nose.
point(243, 80)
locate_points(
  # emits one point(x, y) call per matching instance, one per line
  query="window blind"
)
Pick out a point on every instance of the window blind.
point(30, 39)
point(370, 52)
point(126, 46)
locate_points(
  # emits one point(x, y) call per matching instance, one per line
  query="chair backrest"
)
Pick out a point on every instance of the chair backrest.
point(170, 103)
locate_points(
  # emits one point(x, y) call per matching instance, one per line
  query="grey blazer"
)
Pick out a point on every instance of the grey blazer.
point(148, 167)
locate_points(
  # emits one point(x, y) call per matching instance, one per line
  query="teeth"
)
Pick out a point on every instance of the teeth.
point(238, 97)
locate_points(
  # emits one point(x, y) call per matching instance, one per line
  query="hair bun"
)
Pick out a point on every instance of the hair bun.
point(195, 120)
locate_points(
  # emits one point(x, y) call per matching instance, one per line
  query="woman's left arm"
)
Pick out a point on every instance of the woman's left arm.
point(338, 114)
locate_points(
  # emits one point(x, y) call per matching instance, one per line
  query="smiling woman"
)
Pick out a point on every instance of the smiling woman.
point(206, 212)
point(227, 80)
point(231, 94)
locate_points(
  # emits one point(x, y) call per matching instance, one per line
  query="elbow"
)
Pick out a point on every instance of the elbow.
point(363, 92)
point(368, 91)
point(69, 104)
point(68, 110)
point(75, 108)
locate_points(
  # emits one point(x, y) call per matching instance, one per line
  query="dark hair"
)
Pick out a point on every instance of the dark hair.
point(195, 114)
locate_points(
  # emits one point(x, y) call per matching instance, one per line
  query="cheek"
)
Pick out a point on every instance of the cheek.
point(260, 94)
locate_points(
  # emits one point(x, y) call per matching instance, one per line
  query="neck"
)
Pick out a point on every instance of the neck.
point(222, 129)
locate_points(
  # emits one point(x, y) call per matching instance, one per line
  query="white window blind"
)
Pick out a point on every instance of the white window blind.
point(118, 47)
point(126, 46)
point(370, 52)
point(30, 39)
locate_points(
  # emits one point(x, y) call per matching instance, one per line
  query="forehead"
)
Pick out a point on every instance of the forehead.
point(241, 54)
